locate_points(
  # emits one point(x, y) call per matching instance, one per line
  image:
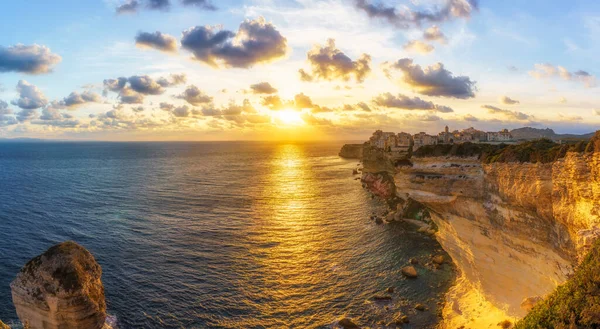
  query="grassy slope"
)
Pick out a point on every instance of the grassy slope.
point(575, 304)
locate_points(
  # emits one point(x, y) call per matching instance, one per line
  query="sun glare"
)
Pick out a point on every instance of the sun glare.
point(290, 117)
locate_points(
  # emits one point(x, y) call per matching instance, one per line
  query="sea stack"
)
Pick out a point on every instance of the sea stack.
point(60, 289)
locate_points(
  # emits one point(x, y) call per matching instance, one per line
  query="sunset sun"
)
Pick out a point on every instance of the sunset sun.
point(290, 117)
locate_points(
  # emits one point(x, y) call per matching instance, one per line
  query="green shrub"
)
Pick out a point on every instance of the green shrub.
point(575, 304)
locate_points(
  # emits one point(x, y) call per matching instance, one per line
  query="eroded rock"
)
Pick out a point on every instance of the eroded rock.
point(61, 289)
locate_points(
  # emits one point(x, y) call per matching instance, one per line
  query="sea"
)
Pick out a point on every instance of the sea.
point(217, 234)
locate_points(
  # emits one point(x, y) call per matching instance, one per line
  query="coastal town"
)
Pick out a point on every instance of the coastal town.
point(402, 142)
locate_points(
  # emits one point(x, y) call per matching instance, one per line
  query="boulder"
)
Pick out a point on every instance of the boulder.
point(439, 259)
point(347, 323)
point(3, 326)
point(409, 272)
point(60, 289)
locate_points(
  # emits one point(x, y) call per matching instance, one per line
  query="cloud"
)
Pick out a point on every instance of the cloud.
point(263, 88)
point(133, 89)
point(257, 41)
point(407, 18)
point(203, 4)
point(330, 63)
point(128, 7)
point(133, 6)
point(408, 103)
point(434, 80)
point(129, 96)
point(30, 97)
point(181, 111)
point(166, 106)
point(547, 71)
point(434, 33)
point(508, 101)
point(470, 118)
point(562, 100)
point(302, 101)
point(156, 40)
point(275, 103)
point(510, 114)
point(195, 96)
point(34, 59)
point(138, 109)
point(175, 80)
point(145, 85)
point(158, 4)
point(51, 113)
point(76, 98)
point(417, 46)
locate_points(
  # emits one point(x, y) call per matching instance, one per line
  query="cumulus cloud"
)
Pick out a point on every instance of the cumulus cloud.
point(157, 40)
point(133, 89)
point(129, 96)
point(330, 63)
point(75, 98)
point(434, 33)
point(408, 103)
point(434, 80)
point(195, 96)
point(546, 71)
point(508, 101)
point(181, 111)
point(263, 88)
point(275, 103)
point(257, 41)
point(145, 85)
point(34, 59)
point(30, 96)
point(406, 18)
point(417, 46)
point(362, 106)
point(510, 114)
point(158, 4)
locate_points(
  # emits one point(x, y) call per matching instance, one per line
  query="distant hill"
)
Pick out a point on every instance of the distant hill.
point(535, 133)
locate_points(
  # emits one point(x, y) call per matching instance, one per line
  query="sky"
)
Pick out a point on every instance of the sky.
point(295, 69)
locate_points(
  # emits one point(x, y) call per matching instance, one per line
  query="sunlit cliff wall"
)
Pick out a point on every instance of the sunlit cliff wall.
point(515, 230)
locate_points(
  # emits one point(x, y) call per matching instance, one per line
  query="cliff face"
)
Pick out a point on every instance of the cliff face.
point(60, 289)
point(352, 151)
point(515, 230)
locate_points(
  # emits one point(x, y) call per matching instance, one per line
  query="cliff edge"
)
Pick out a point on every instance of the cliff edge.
point(59, 289)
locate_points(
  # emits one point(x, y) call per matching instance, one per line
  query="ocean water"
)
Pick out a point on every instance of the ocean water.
point(215, 235)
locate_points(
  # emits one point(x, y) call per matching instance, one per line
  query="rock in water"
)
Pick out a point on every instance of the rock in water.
point(409, 272)
point(61, 289)
point(3, 326)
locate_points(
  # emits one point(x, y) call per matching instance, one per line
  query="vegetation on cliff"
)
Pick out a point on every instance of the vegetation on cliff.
point(541, 150)
point(575, 304)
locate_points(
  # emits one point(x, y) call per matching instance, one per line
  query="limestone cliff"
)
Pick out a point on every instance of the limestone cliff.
point(515, 230)
point(352, 151)
point(60, 289)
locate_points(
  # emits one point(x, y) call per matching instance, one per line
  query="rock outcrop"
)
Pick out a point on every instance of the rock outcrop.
point(60, 289)
point(352, 151)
